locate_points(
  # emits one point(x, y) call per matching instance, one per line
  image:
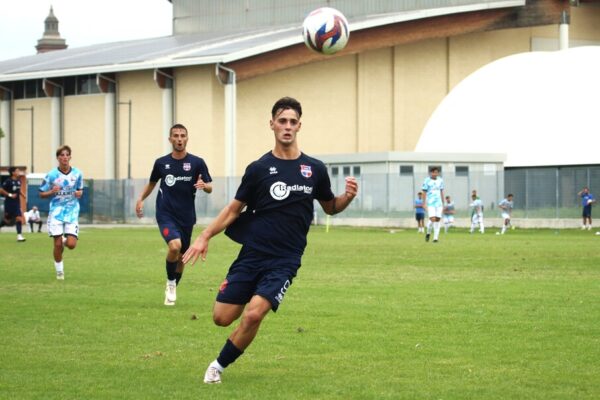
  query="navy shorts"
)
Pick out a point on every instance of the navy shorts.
point(587, 211)
point(171, 230)
point(11, 214)
point(419, 216)
point(257, 273)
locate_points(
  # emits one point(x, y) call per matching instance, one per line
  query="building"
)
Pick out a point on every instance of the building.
point(113, 103)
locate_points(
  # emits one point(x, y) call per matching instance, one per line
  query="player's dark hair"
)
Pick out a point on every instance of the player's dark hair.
point(510, 195)
point(287, 103)
point(177, 126)
point(63, 148)
point(11, 170)
point(434, 169)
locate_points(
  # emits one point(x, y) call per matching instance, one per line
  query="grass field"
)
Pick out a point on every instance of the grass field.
point(371, 315)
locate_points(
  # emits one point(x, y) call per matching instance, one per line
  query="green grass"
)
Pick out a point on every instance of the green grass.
point(371, 315)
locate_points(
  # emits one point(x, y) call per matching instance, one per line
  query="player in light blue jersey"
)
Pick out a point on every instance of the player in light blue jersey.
point(506, 206)
point(449, 210)
point(476, 213)
point(64, 185)
point(433, 188)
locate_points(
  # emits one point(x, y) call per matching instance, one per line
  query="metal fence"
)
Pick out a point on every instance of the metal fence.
point(544, 193)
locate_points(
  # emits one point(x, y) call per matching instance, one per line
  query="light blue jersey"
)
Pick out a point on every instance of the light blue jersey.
point(64, 206)
point(505, 206)
point(477, 207)
point(449, 209)
point(433, 188)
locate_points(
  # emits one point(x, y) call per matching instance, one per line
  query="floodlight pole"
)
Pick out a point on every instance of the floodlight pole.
point(32, 137)
point(128, 103)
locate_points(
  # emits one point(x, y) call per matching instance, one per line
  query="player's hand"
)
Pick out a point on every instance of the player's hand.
point(55, 189)
point(139, 208)
point(351, 187)
point(198, 249)
point(200, 184)
point(78, 194)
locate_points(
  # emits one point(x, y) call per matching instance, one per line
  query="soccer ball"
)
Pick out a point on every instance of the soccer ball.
point(325, 30)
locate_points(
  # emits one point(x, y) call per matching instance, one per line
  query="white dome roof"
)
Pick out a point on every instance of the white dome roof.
point(540, 108)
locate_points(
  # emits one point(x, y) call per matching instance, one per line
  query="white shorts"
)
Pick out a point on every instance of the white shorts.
point(448, 219)
point(435, 211)
point(477, 219)
point(59, 228)
point(505, 215)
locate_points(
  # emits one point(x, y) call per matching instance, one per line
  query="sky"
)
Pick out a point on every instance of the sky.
point(80, 22)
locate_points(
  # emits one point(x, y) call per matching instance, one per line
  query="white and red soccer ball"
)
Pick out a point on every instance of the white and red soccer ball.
point(325, 30)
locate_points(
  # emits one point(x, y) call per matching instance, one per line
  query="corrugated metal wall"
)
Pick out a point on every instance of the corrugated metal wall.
point(191, 16)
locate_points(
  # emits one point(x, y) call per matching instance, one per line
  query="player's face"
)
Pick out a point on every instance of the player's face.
point(434, 174)
point(285, 126)
point(15, 173)
point(178, 139)
point(64, 158)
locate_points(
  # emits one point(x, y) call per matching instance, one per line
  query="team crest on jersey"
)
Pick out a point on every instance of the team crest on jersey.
point(167, 166)
point(306, 171)
point(187, 166)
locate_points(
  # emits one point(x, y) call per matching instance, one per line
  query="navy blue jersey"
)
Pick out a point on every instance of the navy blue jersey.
point(279, 195)
point(12, 186)
point(176, 194)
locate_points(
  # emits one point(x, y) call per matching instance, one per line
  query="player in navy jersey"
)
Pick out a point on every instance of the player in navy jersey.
point(277, 192)
point(180, 174)
point(11, 190)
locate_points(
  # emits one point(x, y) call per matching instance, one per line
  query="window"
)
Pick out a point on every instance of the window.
point(346, 171)
point(406, 170)
point(356, 170)
point(335, 171)
point(439, 167)
point(462, 170)
point(86, 84)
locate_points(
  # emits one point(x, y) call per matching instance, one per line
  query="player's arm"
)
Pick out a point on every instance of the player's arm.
point(204, 186)
point(139, 204)
point(339, 203)
point(7, 194)
point(225, 218)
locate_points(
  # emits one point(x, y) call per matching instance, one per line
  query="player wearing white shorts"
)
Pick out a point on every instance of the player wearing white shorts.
point(65, 185)
point(506, 206)
point(448, 215)
point(476, 213)
point(433, 188)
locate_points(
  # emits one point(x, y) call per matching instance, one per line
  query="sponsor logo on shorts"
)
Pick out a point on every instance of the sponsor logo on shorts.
point(170, 180)
point(281, 190)
point(279, 296)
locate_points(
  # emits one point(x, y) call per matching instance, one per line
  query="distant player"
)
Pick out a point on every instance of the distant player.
point(11, 190)
point(587, 199)
point(180, 174)
point(506, 206)
point(476, 213)
point(64, 185)
point(448, 215)
point(420, 212)
point(433, 187)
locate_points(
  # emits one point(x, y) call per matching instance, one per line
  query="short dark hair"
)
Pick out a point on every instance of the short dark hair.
point(287, 103)
point(63, 148)
point(12, 169)
point(434, 169)
point(177, 126)
point(509, 195)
